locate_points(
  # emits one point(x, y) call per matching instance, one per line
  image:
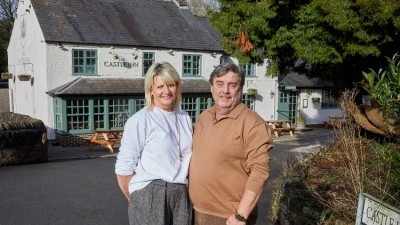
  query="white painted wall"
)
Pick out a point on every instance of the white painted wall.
point(51, 66)
point(313, 113)
point(27, 55)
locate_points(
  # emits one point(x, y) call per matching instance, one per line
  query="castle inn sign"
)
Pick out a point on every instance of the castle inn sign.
point(121, 64)
point(372, 211)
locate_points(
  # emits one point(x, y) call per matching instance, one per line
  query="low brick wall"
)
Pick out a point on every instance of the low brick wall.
point(23, 140)
point(70, 140)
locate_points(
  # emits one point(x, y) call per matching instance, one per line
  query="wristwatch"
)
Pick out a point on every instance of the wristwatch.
point(240, 217)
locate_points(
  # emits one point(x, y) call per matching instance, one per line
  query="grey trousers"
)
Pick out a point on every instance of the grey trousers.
point(160, 203)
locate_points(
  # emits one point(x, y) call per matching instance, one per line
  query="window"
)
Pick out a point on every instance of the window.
point(249, 69)
point(58, 113)
point(98, 113)
point(148, 60)
point(196, 105)
point(118, 112)
point(329, 99)
point(78, 114)
point(283, 97)
point(84, 61)
point(191, 65)
point(86, 115)
point(248, 101)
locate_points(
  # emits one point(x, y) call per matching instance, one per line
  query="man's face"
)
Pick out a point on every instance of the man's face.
point(226, 91)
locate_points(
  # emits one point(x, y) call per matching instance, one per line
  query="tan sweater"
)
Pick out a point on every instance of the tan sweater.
point(229, 156)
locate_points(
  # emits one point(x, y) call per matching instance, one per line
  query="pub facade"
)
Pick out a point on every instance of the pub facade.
point(79, 66)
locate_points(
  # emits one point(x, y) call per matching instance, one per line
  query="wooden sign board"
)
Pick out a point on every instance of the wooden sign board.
point(372, 211)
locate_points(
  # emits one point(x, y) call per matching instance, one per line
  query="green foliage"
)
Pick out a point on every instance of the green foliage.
point(338, 38)
point(389, 159)
point(8, 10)
point(384, 87)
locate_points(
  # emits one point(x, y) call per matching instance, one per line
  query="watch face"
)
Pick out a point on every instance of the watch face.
point(239, 217)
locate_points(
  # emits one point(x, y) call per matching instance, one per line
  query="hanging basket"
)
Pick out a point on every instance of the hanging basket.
point(315, 99)
point(6, 76)
point(24, 77)
point(251, 91)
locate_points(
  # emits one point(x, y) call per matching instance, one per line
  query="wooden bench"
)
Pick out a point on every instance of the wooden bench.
point(277, 131)
point(109, 143)
point(104, 137)
point(278, 126)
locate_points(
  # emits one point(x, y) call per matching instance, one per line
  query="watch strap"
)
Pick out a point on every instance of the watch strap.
point(240, 217)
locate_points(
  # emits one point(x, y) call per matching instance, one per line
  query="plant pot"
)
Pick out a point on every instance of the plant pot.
point(251, 91)
point(315, 99)
point(24, 77)
point(6, 76)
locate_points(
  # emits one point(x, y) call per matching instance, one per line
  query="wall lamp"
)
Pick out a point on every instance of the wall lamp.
point(214, 54)
point(60, 46)
point(171, 52)
point(271, 93)
point(135, 53)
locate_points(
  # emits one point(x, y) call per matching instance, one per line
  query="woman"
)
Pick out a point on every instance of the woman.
point(153, 160)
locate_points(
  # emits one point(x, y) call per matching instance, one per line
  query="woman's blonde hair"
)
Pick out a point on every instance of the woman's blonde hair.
point(169, 75)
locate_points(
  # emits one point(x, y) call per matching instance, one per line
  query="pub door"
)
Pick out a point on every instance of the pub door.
point(287, 105)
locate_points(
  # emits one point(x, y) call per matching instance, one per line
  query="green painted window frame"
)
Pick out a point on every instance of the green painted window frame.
point(59, 119)
point(191, 65)
point(118, 112)
point(329, 99)
point(105, 113)
point(195, 105)
point(84, 62)
point(83, 115)
point(78, 114)
point(249, 69)
point(148, 60)
point(249, 101)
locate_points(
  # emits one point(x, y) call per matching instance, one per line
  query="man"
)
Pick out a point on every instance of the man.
point(230, 160)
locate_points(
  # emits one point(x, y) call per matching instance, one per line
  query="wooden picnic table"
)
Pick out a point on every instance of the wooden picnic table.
point(278, 126)
point(105, 137)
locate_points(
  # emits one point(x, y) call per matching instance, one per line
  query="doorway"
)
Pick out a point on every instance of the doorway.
point(287, 105)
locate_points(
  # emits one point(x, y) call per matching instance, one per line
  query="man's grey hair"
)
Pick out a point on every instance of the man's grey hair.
point(223, 69)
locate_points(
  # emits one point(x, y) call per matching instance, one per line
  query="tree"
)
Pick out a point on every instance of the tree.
point(333, 40)
point(200, 7)
point(8, 11)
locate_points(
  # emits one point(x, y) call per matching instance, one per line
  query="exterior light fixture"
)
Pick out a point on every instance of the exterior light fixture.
point(135, 53)
point(271, 93)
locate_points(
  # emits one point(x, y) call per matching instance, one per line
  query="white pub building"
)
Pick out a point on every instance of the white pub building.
point(79, 66)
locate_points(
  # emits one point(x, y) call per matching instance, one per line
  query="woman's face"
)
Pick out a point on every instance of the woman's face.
point(164, 95)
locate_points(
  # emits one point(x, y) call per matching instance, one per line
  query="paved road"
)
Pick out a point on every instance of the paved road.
point(85, 192)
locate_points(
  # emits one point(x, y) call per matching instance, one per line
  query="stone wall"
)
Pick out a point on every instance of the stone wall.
point(4, 99)
point(23, 140)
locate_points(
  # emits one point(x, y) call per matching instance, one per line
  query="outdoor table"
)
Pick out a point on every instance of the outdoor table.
point(105, 137)
point(278, 126)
